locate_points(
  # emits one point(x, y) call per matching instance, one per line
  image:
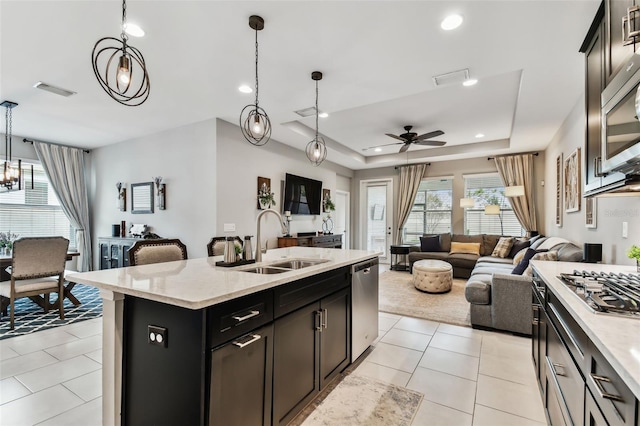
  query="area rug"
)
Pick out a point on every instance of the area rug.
point(399, 296)
point(30, 317)
point(359, 400)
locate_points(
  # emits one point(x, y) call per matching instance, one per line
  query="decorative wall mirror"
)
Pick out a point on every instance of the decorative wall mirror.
point(142, 197)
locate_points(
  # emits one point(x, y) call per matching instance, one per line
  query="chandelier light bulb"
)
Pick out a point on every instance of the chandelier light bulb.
point(123, 70)
point(257, 127)
point(316, 152)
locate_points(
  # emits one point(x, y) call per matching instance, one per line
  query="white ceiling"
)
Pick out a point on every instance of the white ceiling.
point(378, 60)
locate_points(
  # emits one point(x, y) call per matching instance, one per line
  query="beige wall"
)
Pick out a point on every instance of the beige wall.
point(611, 211)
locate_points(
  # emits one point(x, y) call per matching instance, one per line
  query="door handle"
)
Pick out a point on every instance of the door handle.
point(246, 317)
point(325, 316)
point(318, 321)
point(254, 338)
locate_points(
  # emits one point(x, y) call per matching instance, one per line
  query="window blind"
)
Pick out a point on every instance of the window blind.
point(431, 211)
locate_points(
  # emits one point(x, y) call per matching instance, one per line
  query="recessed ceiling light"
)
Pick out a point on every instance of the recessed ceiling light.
point(451, 22)
point(133, 30)
point(469, 82)
point(245, 89)
point(378, 150)
point(323, 114)
point(480, 135)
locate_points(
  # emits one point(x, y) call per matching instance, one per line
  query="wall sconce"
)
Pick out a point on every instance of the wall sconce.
point(467, 203)
point(122, 196)
point(160, 192)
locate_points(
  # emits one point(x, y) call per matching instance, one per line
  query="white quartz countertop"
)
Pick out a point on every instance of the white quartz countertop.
point(617, 338)
point(198, 283)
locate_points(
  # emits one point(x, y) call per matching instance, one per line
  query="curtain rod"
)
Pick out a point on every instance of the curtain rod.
point(415, 164)
point(509, 155)
point(25, 140)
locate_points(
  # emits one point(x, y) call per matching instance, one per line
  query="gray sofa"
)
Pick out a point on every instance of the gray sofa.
point(501, 300)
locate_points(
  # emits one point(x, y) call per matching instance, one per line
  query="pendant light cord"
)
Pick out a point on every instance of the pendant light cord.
point(317, 112)
point(8, 147)
point(256, 68)
point(123, 34)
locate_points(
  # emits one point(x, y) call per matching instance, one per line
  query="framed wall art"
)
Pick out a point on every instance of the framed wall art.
point(559, 190)
point(142, 197)
point(590, 210)
point(571, 176)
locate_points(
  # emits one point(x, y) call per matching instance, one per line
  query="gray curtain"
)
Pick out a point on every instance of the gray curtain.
point(518, 170)
point(410, 177)
point(65, 168)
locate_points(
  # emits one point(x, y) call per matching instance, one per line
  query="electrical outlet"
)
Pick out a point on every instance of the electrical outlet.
point(157, 336)
point(625, 229)
point(229, 227)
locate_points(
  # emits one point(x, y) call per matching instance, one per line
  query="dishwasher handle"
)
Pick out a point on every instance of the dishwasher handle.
point(364, 267)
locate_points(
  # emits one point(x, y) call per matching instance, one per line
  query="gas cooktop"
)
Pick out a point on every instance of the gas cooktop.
point(606, 292)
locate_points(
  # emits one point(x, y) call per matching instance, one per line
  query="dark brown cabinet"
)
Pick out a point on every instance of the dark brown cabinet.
point(616, 53)
point(114, 252)
point(325, 241)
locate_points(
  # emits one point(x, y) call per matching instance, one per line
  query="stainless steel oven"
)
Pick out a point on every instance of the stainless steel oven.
point(620, 124)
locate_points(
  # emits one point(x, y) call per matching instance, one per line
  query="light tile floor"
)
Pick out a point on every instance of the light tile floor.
point(467, 376)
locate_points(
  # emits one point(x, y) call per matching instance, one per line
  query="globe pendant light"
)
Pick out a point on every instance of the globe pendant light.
point(118, 59)
point(254, 121)
point(11, 178)
point(316, 149)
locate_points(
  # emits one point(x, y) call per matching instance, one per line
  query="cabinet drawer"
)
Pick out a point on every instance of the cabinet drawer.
point(575, 339)
point(239, 316)
point(304, 242)
point(611, 394)
point(290, 297)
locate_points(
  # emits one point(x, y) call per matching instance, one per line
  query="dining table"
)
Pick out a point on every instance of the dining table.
point(5, 261)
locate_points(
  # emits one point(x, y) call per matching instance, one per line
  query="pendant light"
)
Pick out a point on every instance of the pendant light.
point(118, 59)
point(316, 149)
point(11, 178)
point(254, 121)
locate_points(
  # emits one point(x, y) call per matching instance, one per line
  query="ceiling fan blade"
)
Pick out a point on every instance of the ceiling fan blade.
point(430, 143)
point(430, 135)
point(404, 148)
point(396, 137)
point(380, 146)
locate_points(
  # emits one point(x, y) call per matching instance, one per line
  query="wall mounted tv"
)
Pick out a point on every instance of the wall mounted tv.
point(302, 195)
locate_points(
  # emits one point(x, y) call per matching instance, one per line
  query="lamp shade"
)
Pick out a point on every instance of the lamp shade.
point(514, 191)
point(492, 209)
point(467, 202)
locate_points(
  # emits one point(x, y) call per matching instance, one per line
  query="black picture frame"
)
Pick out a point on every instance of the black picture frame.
point(142, 198)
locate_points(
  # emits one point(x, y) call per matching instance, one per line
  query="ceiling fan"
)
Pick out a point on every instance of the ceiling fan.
point(410, 137)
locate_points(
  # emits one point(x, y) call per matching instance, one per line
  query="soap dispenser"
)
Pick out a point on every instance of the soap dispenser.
point(247, 251)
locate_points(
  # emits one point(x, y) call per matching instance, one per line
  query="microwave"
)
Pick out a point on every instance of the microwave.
point(620, 147)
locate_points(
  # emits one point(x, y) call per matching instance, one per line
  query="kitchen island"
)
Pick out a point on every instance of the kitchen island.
point(162, 324)
point(588, 363)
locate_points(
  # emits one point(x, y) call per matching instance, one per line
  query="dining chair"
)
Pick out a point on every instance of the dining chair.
point(215, 247)
point(37, 268)
point(144, 252)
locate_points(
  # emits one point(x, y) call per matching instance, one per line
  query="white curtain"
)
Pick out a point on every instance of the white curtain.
point(65, 168)
point(518, 170)
point(410, 178)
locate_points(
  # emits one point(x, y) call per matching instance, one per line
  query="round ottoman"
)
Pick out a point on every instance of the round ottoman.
point(432, 276)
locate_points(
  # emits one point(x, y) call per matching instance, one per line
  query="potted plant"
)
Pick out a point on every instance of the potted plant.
point(266, 198)
point(6, 242)
point(328, 204)
point(634, 253)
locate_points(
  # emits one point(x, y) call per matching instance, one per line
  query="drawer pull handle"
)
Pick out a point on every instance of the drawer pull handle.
point(366, 270)
point(603, 393)
point(254, 338)
point(558, 369)
point(629, 66)
point(535, 321)
point(246, 317)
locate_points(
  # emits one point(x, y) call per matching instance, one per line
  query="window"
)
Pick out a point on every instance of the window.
point(431, 212)
point(487, 189)
point(34, 212)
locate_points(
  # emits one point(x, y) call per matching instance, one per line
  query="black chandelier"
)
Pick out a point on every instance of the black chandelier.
point(120, 87)
point(254, 121)
point(11, 178)
point(316, 149)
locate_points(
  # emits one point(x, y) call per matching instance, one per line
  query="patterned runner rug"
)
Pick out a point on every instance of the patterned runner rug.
point(31, 317)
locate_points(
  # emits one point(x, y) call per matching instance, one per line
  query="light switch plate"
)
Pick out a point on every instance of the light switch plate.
point(625, 229)
point(229, 227)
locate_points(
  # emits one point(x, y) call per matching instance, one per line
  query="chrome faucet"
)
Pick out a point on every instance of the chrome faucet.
point(259, 251)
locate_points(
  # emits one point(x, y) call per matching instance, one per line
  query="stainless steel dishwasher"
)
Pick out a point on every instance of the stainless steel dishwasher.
point(364, 306)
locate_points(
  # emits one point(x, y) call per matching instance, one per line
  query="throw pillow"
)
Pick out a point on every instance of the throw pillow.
point(547, 255)
point(465, 248)
point(517, 246)
point(524, 262)
point(430, 243)
point(503, 247)
point(520, 255)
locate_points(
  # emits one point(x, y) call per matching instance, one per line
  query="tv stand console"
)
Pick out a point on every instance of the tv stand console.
point(325, 241)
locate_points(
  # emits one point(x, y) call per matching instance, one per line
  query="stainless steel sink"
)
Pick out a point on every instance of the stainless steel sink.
point(265, 270)
point(298, 263)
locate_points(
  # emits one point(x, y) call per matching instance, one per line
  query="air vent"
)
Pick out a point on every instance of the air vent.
point(307, 112)
point(454, 77)
point(53, 89)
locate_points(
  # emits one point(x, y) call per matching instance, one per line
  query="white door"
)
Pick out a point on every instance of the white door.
point(341, 218)
point(377, 216)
